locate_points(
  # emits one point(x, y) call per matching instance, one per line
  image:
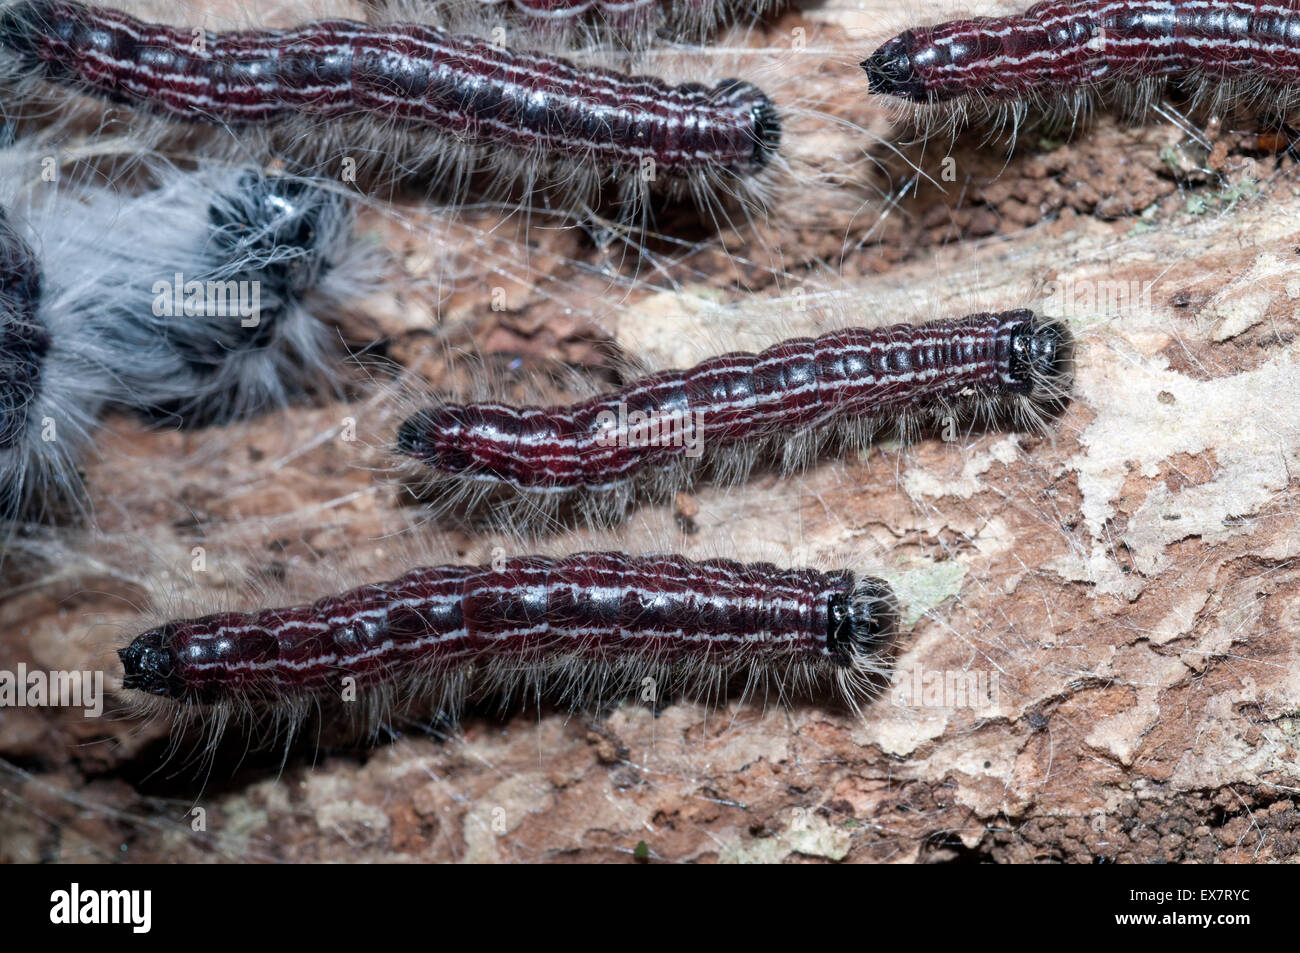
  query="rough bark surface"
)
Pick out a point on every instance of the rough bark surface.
point(1100, 657)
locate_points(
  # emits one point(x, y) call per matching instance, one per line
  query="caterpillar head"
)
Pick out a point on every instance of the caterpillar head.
point(861, 623)
point(149, 664)
point(477, 440)
point(437, 437)
point(891, 71)
point(1040, 356)
point(279, 228)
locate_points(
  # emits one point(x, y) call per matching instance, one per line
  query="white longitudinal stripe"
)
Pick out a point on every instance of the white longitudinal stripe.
point(580, 635)
point(610, 7)
point(585, 443)
point(541, 11)
point(1261, 52)
point(1053, 56)
point(515, 77)
point(670, 574)
point(590, 452)
point(204, 104)
point(656, 571)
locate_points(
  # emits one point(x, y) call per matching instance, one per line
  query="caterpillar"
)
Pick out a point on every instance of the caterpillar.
point(655, 435)
point(1059, 48)
point(411, 97)
point(196, 301)
point(589, 627)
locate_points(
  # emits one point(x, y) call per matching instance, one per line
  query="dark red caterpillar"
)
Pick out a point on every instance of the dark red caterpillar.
point(452, 631)
point(416, 76)
point(855, 379)
point(1060, 47)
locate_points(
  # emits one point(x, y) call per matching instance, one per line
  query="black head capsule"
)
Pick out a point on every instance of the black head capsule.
point(436, 437)
point(269, 244)
point(273, 228)
point(890, 71)
point(1040, 356)
point(149, 665)
point(861, 623)
point(410, 436)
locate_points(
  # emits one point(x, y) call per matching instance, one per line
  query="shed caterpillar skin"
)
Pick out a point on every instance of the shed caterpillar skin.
point(782, 402)
point(97, 311)
point(287, 239)
point(457, 98)
point(592, 626)
point(1059, 48)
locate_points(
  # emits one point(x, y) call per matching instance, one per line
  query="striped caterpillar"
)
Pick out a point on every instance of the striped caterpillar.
point(1060, 48)
point(196, 301)
point(655, 435)
point(413, 99)
point(591, 627)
